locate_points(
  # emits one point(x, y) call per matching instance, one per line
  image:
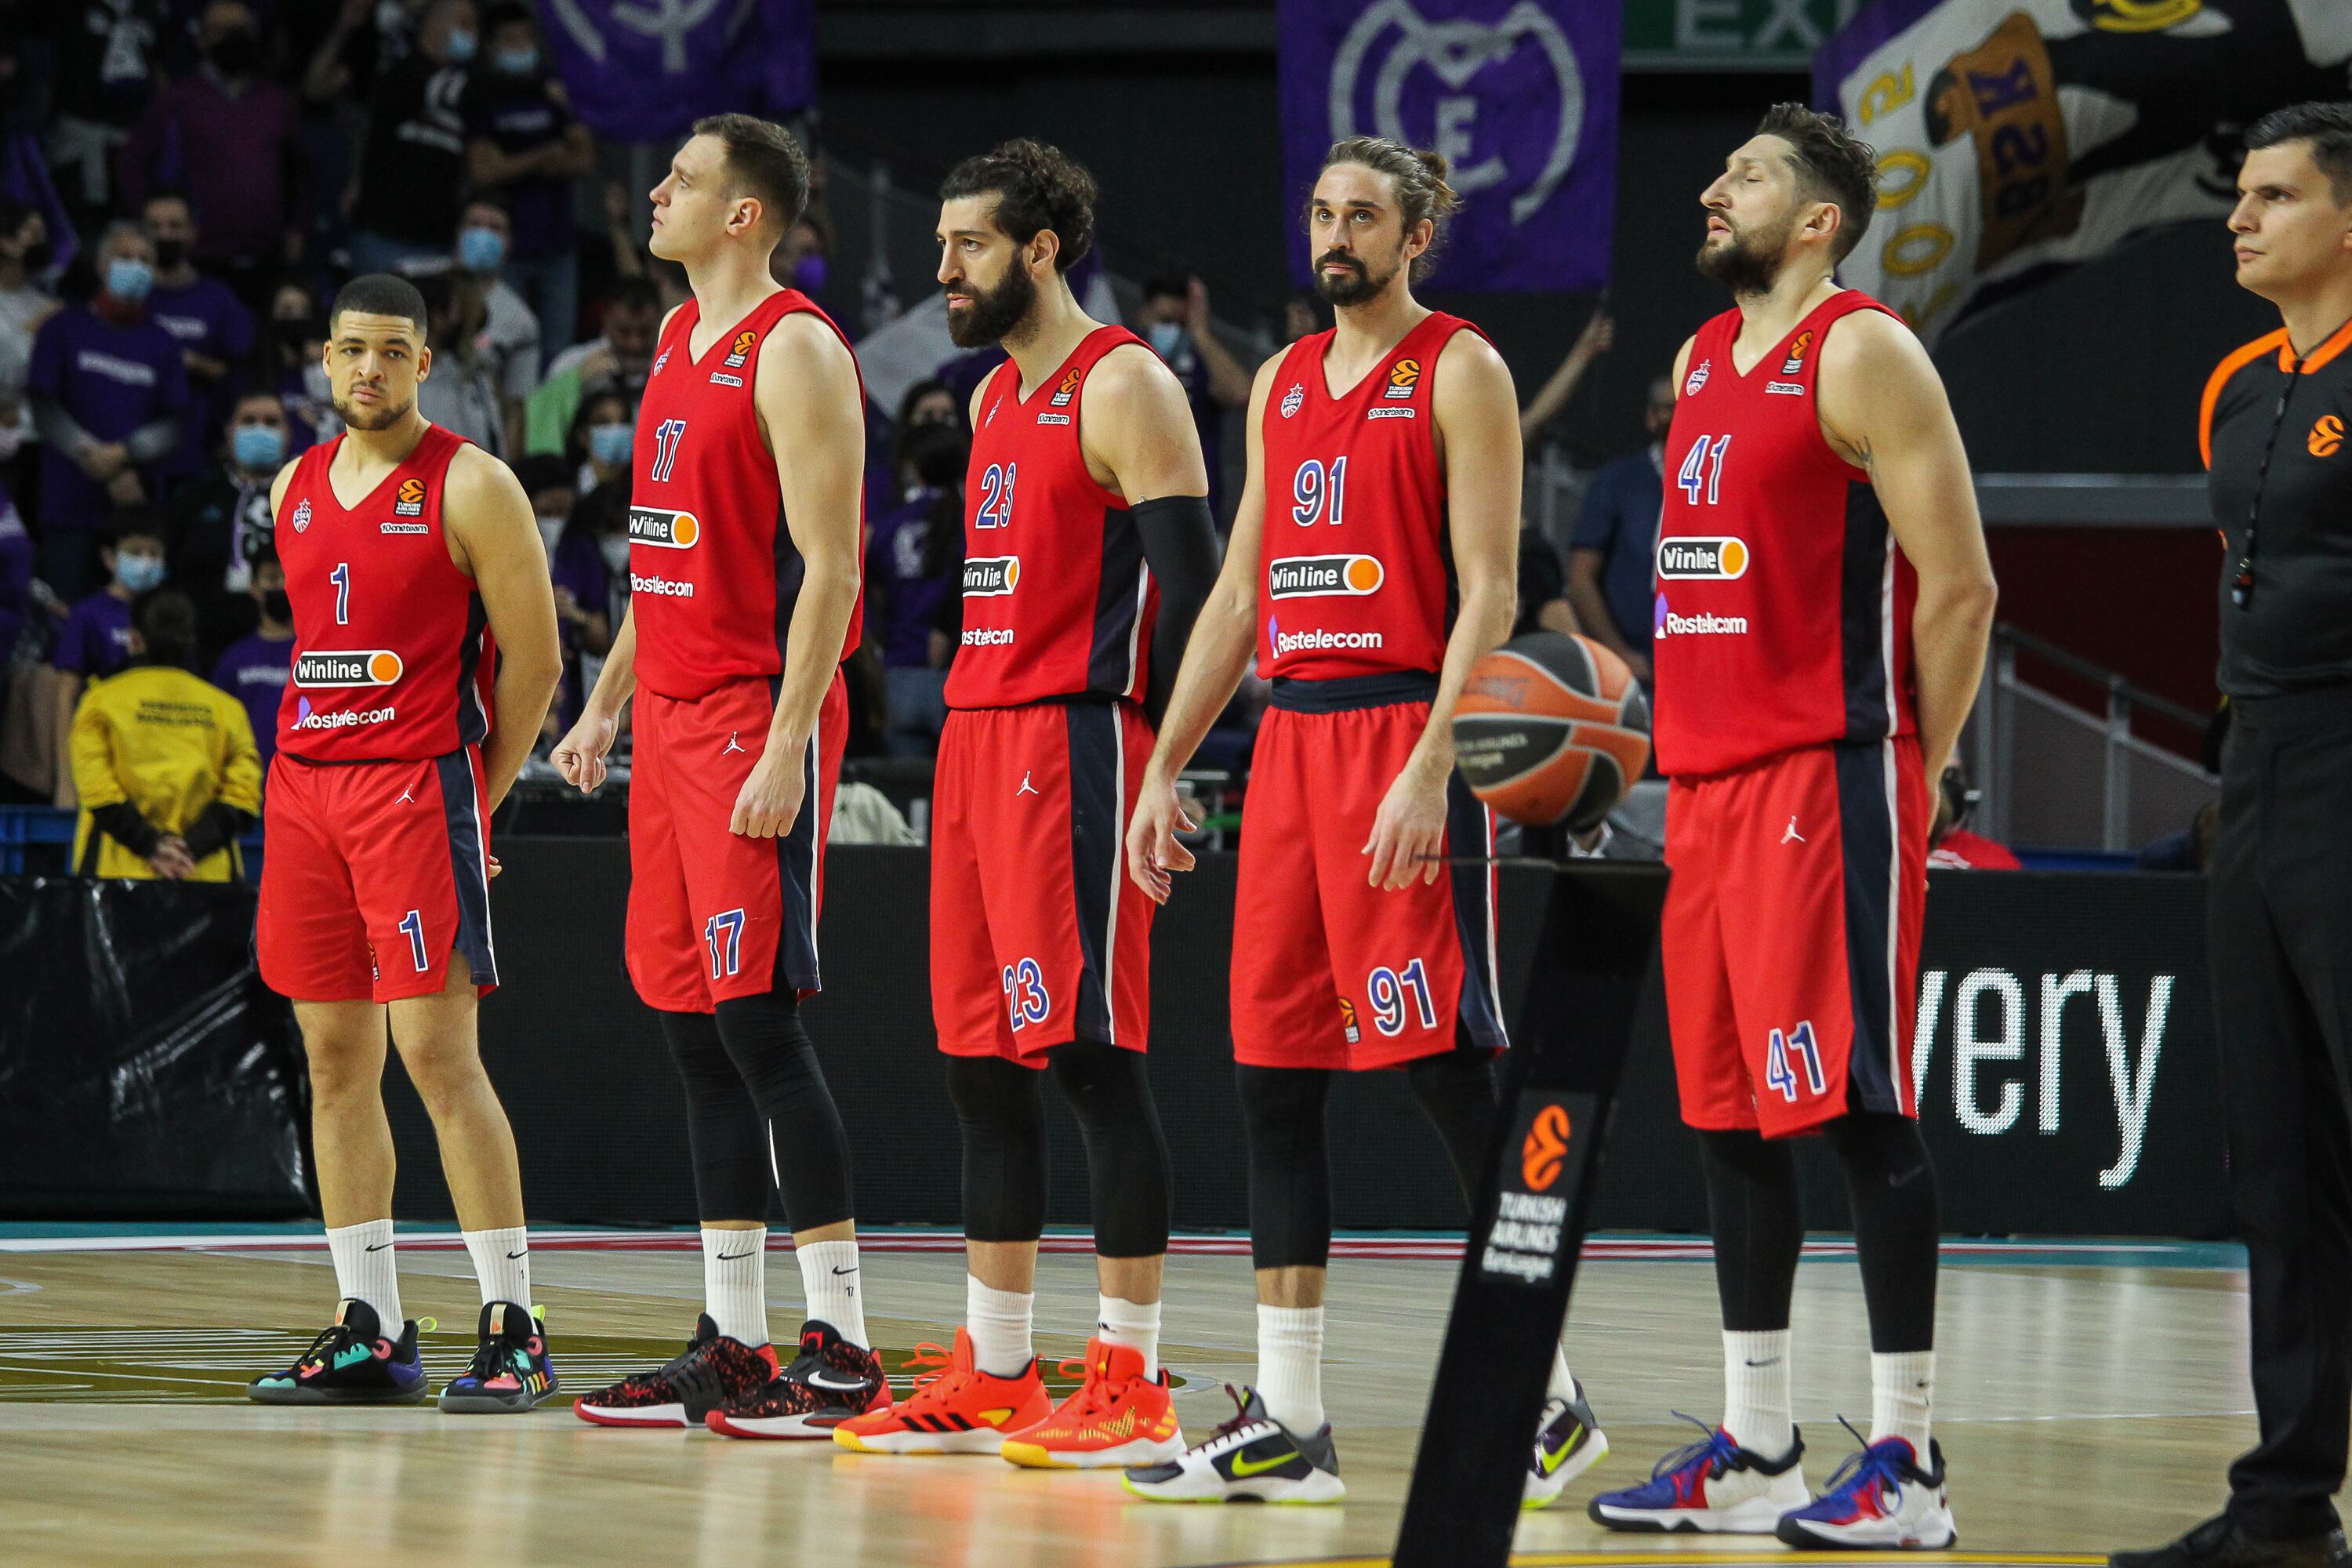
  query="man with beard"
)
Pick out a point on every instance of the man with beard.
point(1394, 438)
point(1087, 549)
point(1823, 602)
point(743, 557)
point(425, 654)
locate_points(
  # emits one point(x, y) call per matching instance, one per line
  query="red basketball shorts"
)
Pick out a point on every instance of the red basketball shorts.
point(1038, 937)
point(1791, 938)
point(1330, 970)
point(713, 914)
point(373, 874)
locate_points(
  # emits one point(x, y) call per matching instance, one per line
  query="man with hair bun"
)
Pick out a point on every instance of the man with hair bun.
point(1380, 453)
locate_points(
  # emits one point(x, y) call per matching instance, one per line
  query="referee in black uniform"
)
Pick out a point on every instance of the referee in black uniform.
point(2279, 896)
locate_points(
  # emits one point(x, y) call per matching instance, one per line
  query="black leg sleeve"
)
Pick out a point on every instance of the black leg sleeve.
point(1000, 1109)
point(1458, 1092)
point(808, 1151)
point(1892, 1183)
point(1289, 1166)
point(1759, 1228)
point(731, 1179)
point(1126, 1154)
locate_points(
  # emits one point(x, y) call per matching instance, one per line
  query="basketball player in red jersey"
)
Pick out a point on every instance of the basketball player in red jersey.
point(1381, 453)
point(743, 569)
point(1823, 602)
point(425, 654)
point(1088, 548)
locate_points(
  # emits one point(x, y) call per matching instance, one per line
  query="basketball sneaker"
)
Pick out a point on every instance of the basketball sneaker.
point(1117, 1417)
point(714, 1371)
point(351, 1363)
point(510, 1371)
point(829, 1381)
point(1878, 1498)
point(955, 1409)
point(1712, 1486)
point(1251, 1458)
point(1568, 1442)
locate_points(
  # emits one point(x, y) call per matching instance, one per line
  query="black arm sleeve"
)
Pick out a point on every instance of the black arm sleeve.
point(122, 822)
point(1179, 546)
point(214, 828)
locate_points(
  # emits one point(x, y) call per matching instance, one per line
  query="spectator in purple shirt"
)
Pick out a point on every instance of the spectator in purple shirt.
point(107, 387)
point(230, 138)
point(95, 639)
point(913, 562)
point(254, 669)
point(214, 328)
point(523, 146)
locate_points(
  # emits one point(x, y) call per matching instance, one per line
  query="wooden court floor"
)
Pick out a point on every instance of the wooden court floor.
point(2082, 1405)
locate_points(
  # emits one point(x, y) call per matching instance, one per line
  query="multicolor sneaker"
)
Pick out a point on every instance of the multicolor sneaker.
point(351, 1363)
point(1568, 1442)
point(1251, 1458)
point(714, 1371)
point(1878, 1498)
point(829, 1381)
point(1712, 1486)
point(1117, 1417)
point(955, 1409)
point(510, 1371)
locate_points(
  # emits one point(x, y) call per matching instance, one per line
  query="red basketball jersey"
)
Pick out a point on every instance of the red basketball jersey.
point(712, 569)
point(1357, 575)
point(1057, 600)
point(393, 655)
point(1784, 608)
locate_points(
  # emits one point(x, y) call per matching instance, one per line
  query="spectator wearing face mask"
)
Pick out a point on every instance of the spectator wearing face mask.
point(620, 360)
point(914, 560)
point(95, 639)
point(523, 146)
point(24, 304)
point(407, 192)
point(219, 523)
point(230, 139)
point(164, 763)
point(603, 439)
point(107, 387)
point(506, 339)
point(255, 668)
point(294, 364)
point(926, 402)
point(459, 394)
point(577, 569)
point(213, 329)
point(1175, 322)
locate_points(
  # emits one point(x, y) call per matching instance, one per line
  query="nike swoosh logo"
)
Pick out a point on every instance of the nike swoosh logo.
point(379, 1247)
point(818, 1380)
point(1910, 1175)
point(1554, 1461)
point(731, 1257)
point(523, 1253)
point(1774, 1361)
point(844, 1271)
point(1243, 1469)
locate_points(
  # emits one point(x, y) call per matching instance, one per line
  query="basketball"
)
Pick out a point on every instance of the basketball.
point(1552, 730)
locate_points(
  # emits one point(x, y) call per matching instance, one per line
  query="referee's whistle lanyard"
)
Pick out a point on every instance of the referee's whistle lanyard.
point(2242, 585)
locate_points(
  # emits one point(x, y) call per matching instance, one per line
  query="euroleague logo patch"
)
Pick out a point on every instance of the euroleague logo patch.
point(1404, 377)
point(1545, 1149)
point(741, 349)
point(1347, 1021)
point(1293, 400)
point(2326, 436)
point(1796, 360)
point(1069, 389)
point(409, 500)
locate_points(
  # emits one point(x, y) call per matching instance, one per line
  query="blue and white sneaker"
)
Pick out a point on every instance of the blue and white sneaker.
point(1712, 1486)
point(352, 1361)
point(1878, 1498)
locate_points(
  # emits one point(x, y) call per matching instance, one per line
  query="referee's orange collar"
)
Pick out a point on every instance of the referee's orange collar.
point(2336, 344)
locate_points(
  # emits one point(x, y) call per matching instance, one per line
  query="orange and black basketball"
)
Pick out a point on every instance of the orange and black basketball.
point(1551, 729)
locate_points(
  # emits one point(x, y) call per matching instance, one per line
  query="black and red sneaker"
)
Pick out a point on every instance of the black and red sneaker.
point(714, 1371)
point(829, 1381)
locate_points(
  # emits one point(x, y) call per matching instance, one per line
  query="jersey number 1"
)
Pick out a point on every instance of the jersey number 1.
point(1703, 469)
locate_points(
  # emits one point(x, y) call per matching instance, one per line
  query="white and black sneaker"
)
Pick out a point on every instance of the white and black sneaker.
point(1251, 1458)
point(1568, 1442)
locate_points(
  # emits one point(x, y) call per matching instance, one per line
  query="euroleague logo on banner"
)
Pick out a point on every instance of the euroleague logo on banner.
point(2326, 436)
point(1545, 1149)
point(1391, 41)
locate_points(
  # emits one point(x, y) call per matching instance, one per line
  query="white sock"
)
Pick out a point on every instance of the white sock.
point(502, 1263)
point(735, 1282)
point(1564, 1381)
point(1135, 1324)
point(829, 1278)
point(1756, 1411)
point(363, 1270)
point(1290, 1366)
point(999, 1322)
point(1902, 1387)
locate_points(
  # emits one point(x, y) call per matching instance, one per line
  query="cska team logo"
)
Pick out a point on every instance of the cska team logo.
point(1293, 400)
point(1698, 376)
point(660, 360)
point(302, 516)
point(1795, 363)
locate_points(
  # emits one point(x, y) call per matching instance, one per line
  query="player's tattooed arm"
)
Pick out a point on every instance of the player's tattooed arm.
point(1476, 410)
point(494, 539)
point(1882, 406)
point(812, 416)
point(1223, 639)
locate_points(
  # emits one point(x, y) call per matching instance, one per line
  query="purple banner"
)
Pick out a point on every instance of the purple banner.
point(1520, 95)
point(639, 72)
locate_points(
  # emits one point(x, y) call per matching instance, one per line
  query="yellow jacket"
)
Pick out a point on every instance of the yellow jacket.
point(171, 744)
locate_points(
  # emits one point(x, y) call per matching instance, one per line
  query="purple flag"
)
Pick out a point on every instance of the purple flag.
point(1521, 95)
point(643, 70)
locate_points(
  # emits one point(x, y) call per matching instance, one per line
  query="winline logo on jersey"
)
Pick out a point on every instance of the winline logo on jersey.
point(359, 667)
point(1308, 577)
point(986, 577)
point(663, 529)
point(1720, 559)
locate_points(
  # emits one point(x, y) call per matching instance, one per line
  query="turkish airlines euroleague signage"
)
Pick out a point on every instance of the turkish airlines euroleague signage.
point(1520, 95)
